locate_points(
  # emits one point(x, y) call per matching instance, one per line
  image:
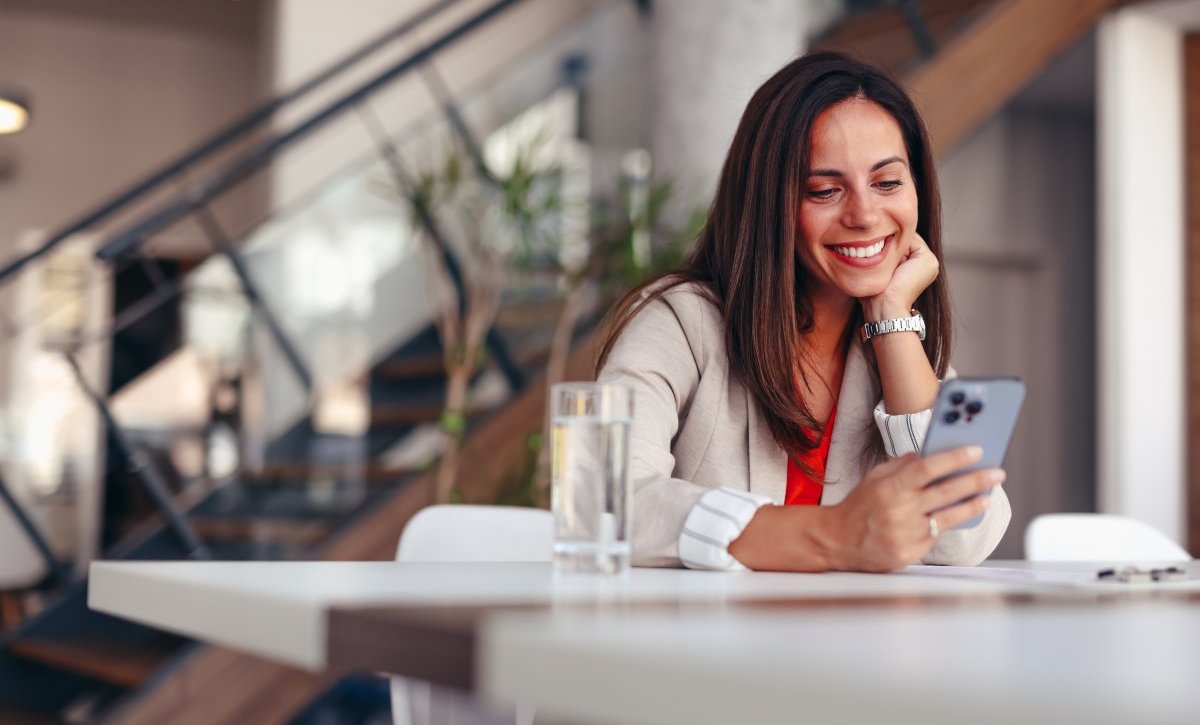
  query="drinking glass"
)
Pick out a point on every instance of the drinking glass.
point(590, 487)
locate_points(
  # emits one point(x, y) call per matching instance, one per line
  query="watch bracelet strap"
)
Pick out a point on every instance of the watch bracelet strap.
point(896, 324)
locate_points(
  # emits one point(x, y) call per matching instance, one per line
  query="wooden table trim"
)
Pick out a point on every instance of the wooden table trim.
point(441, 644)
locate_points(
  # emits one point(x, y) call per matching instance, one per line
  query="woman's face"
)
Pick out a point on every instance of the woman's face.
point(859, 204)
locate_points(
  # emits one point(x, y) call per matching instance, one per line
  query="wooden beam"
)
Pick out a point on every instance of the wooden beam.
point(120, 663)
point(1191, 80)
point(882, 36)
point(972, 78)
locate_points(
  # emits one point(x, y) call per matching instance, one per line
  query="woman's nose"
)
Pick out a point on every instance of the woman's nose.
point(860, 211)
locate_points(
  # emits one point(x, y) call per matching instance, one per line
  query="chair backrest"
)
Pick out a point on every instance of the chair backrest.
point(460, 532)
point(1098, 537)
point(20, 563)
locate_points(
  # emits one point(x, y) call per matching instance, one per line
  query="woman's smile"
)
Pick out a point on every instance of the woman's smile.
point(862, 253)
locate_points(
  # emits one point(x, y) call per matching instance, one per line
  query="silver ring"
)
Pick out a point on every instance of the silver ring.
point(934, 531)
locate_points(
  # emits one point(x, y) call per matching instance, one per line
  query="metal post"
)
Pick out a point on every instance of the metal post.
point(140, 466)
point(223, 245)
point(495, 341)
point(53, 565)
point(438, 87)
point(918, 27)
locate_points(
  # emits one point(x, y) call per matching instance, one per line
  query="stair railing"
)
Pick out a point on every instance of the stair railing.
point(195, 201)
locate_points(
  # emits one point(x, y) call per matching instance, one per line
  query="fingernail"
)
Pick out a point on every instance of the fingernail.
point(997, 476)
point(974, 452)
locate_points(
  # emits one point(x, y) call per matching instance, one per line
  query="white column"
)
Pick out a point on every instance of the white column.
point(1140, 147)
point(709, 57)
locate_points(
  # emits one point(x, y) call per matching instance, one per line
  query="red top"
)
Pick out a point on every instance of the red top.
point(804, 490)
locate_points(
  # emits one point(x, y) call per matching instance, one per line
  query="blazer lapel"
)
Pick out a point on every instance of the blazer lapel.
point(855, 421)
point(768, 462)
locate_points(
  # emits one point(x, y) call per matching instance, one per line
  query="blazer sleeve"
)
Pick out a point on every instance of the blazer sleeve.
point(905, 432)
point(655, 356)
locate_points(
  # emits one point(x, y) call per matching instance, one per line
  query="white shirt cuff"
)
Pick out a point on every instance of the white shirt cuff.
point(714, 522)
point(904, 433)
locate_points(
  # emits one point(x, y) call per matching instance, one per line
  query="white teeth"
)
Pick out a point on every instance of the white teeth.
point(861, 252)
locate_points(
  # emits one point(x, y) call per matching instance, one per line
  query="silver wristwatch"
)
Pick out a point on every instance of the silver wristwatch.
point(916, 324)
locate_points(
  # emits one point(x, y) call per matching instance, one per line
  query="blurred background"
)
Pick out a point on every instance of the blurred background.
point(275, 274)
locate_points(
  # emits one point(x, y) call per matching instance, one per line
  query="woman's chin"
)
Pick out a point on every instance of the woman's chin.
point(864, 291)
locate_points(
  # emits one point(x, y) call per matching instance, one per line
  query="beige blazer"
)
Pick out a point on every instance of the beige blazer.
point(696, 428)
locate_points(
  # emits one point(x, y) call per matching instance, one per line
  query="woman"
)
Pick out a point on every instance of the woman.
point(755, 392)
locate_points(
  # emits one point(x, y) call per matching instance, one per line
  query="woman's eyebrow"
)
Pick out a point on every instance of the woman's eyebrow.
point(876, 167)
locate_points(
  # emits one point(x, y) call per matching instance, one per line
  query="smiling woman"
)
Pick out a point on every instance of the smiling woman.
point(799, 348)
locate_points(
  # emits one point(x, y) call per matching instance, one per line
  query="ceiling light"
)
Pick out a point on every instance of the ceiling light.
point(14, 112)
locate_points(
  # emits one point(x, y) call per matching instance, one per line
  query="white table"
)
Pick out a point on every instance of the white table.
point(673, 645)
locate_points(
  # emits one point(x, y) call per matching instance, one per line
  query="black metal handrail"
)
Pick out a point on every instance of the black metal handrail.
point(220, 140)
point(54, 567)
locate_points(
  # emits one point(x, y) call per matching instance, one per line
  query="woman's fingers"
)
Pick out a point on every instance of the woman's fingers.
point(952, 516)
point(959, 487)
point(916, 473)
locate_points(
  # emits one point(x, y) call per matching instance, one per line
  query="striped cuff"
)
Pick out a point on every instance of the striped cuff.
point(714, 522)
point(904, 433)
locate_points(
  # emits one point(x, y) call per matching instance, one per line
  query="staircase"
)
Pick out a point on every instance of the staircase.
point(311, 493)
point(325, 496)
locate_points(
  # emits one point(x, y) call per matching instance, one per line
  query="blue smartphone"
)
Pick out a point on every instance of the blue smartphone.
point(975, 411)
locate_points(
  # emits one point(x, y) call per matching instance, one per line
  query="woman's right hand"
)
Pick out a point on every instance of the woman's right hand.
point(883, 524)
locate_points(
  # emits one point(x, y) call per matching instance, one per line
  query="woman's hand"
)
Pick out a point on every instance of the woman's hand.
point(883, 524)
point(917, 269)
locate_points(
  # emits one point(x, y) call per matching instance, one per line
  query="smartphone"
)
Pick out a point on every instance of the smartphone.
point(975, 411)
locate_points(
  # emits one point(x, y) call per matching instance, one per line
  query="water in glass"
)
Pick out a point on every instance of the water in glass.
point(591, 488)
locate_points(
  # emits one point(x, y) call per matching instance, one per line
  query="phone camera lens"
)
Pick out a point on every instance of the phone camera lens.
point(952, 416)
point(957, 397)
point(974, 407)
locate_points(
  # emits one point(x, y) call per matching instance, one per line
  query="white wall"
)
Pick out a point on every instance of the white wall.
point(1019, 239)
point(709, 58)
point(115, 94)
point(1140, 430)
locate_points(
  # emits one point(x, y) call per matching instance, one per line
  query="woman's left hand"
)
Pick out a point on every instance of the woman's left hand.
point(917, 269)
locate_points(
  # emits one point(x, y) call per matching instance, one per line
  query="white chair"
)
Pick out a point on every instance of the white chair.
point(461, 532)
point(1097, 537)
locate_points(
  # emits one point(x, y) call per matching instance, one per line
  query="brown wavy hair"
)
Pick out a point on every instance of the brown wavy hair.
point(745, 256)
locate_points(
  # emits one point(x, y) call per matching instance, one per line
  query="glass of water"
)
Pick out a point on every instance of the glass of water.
point(590, 487)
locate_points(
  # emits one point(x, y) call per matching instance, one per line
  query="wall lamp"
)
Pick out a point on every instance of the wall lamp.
point(14, 111)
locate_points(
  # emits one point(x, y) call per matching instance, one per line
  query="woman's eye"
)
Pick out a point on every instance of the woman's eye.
point(890, 185)
point(821, 193)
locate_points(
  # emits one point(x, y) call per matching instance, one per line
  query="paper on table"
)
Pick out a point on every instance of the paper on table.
point(1000, 574)
point(1060, 577)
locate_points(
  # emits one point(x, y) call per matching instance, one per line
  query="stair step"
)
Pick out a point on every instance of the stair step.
point(256, 551)
point(282, 531)
point(418, 366)
point(119, 663)
point(314, 502)
point(433, 365)
point(9, 716)
point(415, 413)
point(525, 315)
point(304, 473)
